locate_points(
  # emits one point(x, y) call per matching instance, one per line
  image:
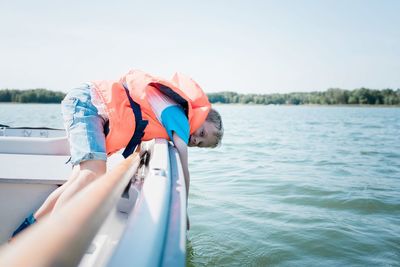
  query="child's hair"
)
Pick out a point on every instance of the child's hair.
point(215, 118)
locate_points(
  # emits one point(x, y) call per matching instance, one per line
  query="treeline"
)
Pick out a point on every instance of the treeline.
point(332, 96)
point(31, 96)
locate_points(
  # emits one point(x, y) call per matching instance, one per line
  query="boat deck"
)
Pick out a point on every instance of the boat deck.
point(146, 225)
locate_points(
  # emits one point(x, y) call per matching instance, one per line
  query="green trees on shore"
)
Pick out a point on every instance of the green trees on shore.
point(31, 96)
point(332, 96)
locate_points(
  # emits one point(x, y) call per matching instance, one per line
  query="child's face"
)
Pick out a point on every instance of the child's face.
point(205, 136)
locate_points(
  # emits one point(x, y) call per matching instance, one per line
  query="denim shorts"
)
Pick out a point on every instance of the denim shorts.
point(84, 126)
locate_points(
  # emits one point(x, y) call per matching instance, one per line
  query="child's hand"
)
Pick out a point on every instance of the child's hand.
point(187, 222)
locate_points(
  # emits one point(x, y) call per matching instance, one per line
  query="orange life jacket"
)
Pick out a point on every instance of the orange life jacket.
point(131, 118)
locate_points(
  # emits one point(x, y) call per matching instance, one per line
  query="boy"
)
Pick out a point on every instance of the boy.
point(103, 117)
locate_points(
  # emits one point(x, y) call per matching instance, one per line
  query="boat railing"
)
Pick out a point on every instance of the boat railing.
point(62, 238)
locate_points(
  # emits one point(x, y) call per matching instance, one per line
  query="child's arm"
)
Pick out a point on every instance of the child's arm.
point(181, 146)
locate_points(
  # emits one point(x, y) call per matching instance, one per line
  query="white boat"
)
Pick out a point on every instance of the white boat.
point(144, 224)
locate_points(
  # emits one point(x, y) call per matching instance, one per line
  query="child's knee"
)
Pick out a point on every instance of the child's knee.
point(86, 177)
point(96, 167)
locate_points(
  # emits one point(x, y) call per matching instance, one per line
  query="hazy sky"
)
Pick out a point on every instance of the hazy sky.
point(243, 46)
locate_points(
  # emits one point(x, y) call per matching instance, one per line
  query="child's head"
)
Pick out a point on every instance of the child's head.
point(210, 133)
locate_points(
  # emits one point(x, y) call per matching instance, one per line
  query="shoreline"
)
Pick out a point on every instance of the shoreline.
point(312, 105)
point(250, 104)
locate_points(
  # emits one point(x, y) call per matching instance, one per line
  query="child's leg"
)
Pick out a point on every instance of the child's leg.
point(89, 171)
point(85, 129)
point(85, 133)
point(51, 200)
point(47, 206)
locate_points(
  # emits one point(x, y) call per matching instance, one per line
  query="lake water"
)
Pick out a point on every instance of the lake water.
point(290, 186)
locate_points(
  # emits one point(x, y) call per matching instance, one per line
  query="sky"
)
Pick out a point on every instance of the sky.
point(243, 46)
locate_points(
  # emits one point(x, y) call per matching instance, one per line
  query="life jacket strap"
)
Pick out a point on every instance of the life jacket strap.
point(139, 128)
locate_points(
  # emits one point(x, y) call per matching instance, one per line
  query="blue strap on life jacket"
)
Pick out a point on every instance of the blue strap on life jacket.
point(139, 127)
